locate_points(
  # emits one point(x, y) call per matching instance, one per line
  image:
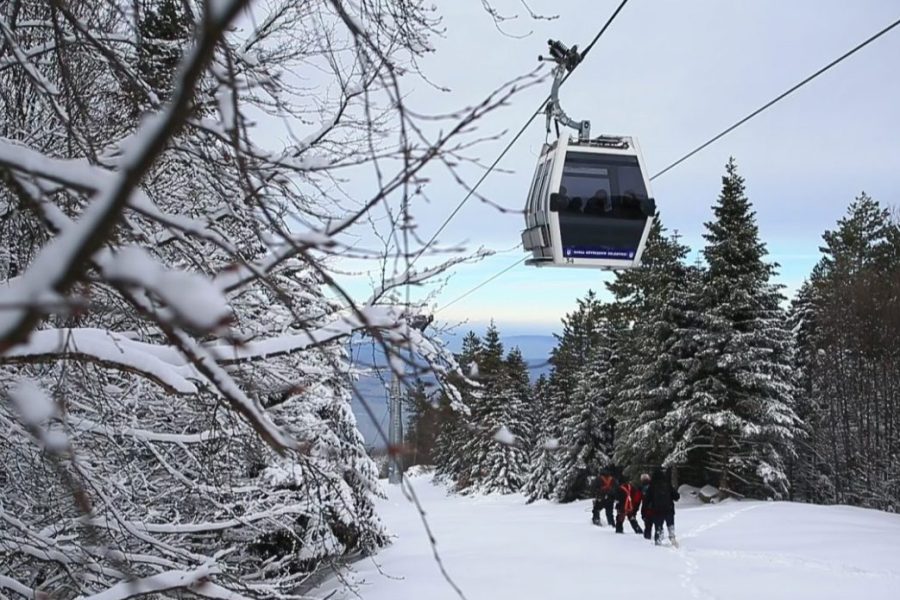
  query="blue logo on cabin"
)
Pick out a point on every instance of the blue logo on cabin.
point(611, 253)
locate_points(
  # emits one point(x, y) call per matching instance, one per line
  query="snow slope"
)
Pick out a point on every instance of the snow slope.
point(499, 548)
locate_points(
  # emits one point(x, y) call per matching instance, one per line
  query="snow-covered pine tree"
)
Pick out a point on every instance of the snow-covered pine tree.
point(451, 461)
point(521, 421)
point(422, 426)
point(540, 480)
point(651, 373)
point(573, 348)
point(587, 427)
point(637, 290)
point(497, 458)
point(736, 420)
point(581, 336)
point(810, 475)
point(448, 459)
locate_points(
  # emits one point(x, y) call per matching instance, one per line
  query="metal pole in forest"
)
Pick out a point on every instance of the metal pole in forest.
point(396, 409)
point(395, 406)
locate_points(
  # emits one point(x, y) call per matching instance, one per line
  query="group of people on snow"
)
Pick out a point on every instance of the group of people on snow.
point(653, 498)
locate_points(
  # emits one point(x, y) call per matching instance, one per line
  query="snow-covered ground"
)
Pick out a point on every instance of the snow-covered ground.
point(499, 548)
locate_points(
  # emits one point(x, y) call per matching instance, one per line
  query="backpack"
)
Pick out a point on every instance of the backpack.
point(628, 502)
point(607, 483)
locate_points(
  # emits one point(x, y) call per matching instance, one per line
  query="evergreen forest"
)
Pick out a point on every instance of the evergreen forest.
point(704, 367)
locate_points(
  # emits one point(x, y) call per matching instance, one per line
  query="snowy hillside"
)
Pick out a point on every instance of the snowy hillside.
point(499, 548)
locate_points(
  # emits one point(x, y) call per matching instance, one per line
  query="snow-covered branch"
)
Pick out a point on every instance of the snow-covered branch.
point(161, 364)
point(58, 265)
point(161, 582)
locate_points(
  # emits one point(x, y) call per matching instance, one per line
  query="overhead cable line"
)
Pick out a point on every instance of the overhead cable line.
point(778, 98)
point(714, 139)
point(481, 285)
point(539, 111)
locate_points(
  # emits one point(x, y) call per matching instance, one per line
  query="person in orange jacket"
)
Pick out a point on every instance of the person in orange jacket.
point(607, 484)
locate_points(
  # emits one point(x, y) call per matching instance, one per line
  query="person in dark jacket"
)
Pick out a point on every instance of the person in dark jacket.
point(662, 498)
point(628, 503)
point(607, 484)
point(646, 510)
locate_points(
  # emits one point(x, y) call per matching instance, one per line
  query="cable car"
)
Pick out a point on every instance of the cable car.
point(589, 204)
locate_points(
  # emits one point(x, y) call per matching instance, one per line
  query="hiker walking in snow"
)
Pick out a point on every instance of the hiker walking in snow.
point(606, 495)
point(628, 502)
point(662, 498)
point(646, 510)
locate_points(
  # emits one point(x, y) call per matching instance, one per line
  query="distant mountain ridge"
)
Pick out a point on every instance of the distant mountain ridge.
point(531, 346)
point(373, 393)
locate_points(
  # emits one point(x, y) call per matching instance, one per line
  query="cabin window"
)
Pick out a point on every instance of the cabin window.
point(603, 206)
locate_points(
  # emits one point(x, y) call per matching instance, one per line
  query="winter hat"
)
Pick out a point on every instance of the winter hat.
point(645, 477)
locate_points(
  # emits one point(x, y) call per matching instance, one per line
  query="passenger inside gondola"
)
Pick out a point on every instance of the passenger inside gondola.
point(562, 199)
point(631, 205)
point(605, 215)
point(599, 203)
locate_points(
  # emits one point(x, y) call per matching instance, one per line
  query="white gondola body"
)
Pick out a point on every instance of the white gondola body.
point(588, 238)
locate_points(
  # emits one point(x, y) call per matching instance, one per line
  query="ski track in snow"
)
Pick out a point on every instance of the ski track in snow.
point(691, 567)
point(687, 578)
point(795, 562)
point(720, 521)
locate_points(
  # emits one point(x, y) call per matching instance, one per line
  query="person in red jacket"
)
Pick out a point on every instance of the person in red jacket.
point(628, 503)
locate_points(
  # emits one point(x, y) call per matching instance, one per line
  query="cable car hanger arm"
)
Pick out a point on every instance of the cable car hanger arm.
point(566, 60)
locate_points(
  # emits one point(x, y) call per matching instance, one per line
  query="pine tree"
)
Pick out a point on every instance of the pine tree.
point(570, 408)
point(497, 458)
point(810, 476)
point(522, 421)
point(737, 419)
point(587, 428)
point(651, 374)
point(543, 458)
point(578, 339)
point(637, 290)
point(864, 239)
point(656, 380)
point(422, 426)
point(452, 464)
point(448, 460)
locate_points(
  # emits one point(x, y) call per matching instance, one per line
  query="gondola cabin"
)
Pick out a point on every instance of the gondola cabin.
point(589, 205)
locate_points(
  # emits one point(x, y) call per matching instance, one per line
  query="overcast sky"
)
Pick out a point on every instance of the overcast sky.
point(672, 74)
